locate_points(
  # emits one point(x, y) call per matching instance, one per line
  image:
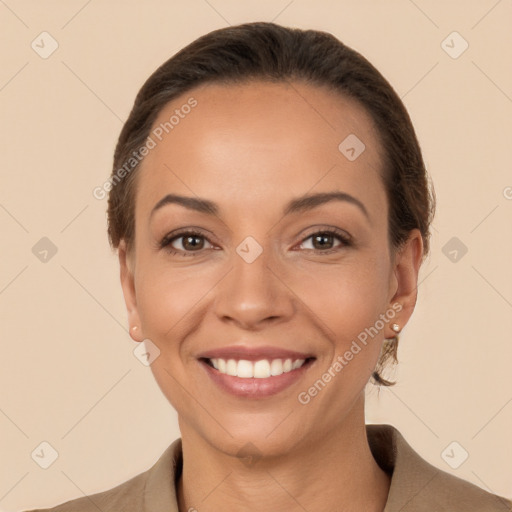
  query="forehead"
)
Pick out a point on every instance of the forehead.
point(261, 141)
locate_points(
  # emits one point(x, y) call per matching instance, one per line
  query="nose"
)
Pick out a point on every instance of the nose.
point(254, 295)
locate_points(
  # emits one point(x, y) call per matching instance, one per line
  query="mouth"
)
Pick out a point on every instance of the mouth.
point(255, 373)
point(260, 369)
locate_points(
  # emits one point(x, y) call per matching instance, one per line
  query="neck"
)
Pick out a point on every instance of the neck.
point(336, 472)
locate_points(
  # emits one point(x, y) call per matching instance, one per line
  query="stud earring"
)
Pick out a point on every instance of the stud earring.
point(395, 328)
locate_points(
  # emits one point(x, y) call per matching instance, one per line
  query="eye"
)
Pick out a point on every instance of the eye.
point(185, 242)
point(325, 240)
point(190, 243)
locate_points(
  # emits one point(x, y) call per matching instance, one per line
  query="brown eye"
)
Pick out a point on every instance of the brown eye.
point(192, 242)
point(325, 241)
point(185, 243)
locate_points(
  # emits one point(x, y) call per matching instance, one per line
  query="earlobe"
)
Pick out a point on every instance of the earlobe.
point(406, 270)
point(129, 293)
point(134, 333)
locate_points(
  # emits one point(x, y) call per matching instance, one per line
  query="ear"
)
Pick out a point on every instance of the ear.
point(404, 279)
point(128, 285)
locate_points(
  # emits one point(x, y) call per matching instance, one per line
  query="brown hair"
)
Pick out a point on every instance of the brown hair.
point(270, 52)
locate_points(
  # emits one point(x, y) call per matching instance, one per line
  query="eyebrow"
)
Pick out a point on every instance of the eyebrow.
point(311, 201)
point(300, 204)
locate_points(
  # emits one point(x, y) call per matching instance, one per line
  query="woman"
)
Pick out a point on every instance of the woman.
point(271, 210)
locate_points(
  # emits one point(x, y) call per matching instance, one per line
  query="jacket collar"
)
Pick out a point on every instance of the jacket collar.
point(410, 474)
point(414, 482)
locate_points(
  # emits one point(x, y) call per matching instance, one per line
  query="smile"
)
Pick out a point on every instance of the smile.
point(262, 369)
point(255, 372)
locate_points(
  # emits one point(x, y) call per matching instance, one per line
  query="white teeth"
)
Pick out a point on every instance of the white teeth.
point(231, 367)
point(221, 365)
point(261, 369)
point(245, 369)
point(276, 367)
point(297, 364)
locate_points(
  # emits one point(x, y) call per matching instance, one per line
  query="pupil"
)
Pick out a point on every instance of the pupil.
point(322, 239)
point(192, 242)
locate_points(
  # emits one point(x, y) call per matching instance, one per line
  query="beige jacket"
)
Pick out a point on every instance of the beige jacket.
point(416, 486)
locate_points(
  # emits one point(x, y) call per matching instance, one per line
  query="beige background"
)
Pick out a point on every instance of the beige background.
point(67, 372)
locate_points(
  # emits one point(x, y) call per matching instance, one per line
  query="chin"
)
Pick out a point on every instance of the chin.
point(255, 446)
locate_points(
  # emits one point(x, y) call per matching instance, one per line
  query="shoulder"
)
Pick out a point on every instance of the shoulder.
point(418, 486)
point(147, 491)
point(126, 496)
point(450, 493)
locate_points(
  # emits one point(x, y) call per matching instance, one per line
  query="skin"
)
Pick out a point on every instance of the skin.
point(251, 149)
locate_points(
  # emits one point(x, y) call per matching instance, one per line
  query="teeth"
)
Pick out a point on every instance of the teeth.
point(276, 367)
point(261, 369)
point(231, 367)
point(296, 364)
point(256, 369)
point(245, 369)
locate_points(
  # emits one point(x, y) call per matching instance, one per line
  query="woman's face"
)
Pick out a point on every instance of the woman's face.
point(287, 258)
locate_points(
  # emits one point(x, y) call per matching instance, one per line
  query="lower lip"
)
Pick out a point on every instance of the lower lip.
point(253, 387)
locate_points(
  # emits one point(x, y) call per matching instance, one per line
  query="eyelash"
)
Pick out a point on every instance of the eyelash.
point(168, 239)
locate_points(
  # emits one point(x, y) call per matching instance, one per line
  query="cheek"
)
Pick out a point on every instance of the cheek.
point(170, 300)
point(347, 298)
point(169, 304)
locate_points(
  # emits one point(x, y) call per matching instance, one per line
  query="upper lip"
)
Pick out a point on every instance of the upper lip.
point(253, 353)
